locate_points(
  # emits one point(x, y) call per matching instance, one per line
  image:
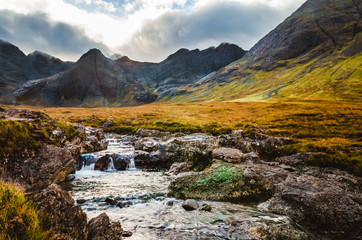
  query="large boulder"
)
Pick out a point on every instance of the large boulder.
point(67, 220)
point(222, 183)
point(103, 163)
point(101, 228)
point(230, 155)
point(148, 144)
point(194, 149)
point(36, 170)
point(264, 145)
point(324, 205)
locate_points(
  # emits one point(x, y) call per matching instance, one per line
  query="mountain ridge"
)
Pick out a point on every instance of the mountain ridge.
point(101, 81)
point(301, 58)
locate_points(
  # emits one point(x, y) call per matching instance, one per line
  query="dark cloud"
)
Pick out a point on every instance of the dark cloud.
point(226, 21)
point(37, 32)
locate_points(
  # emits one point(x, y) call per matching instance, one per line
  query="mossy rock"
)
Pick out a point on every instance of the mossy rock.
point(221, 183)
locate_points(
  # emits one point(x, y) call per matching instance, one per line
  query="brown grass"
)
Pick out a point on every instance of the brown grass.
point(331, 127)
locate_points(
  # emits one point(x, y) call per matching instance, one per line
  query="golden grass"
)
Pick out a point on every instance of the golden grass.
point(331, 127)
point(19, 219)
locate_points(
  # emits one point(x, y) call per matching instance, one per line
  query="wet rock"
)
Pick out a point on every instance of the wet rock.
point(107, 124)
point(278, 231)
point(206, 207)
point(101, 228)
point(67, 220)
point(147, 144)
point(230, 155)
point(81, 201)
point(102, 163)
point(121, 162)
point(121, 205)
point(169, 203)
point(127, 234)
point(111, 201)
point(190, 205)
point(178, 167)
point(95, 140)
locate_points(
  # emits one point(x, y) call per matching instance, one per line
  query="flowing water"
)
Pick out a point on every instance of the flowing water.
point(142, 206)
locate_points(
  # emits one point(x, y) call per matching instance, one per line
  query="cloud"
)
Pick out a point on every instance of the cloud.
point(37, 32)
point(209, 23)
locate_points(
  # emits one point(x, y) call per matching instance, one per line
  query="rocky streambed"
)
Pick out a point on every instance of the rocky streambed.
point(252, 190)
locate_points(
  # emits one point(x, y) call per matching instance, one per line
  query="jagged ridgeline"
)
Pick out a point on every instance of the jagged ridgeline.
point(95, 80)
point(314, 54)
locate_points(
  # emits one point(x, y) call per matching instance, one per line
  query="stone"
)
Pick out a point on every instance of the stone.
point(190, 205)
point(178, 167)
point(67, 220)
point(147, 144)
point(194, 149)
point(111, 201)
point(81, 201)
point(107, 124)
point(101, 228)
point(206, 207)
point(102, 163)
point(127, 234)
point(230, 155)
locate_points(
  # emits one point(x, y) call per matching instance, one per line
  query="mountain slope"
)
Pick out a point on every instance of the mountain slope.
point(313, 54)
point(95, 80)
point(16, 68)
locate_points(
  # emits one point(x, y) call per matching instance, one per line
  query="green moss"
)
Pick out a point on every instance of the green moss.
point(19, 219)
point(224, 183)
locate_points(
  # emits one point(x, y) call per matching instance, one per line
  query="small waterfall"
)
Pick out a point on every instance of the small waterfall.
point(131, 164)
point(111, 165)
point(88, 167)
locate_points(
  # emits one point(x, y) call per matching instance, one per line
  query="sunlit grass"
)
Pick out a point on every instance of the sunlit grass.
point(19, 219)
point(331, 127)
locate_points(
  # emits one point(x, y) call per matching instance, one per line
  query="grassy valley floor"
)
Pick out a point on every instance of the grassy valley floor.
point(330, 128)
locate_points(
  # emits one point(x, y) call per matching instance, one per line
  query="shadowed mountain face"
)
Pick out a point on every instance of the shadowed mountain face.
point(16, 68)
point(95, 80)
point(314, 54)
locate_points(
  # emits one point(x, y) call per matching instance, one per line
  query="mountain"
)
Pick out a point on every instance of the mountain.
point(314, 54)
point(95, 80)
point(16, 68)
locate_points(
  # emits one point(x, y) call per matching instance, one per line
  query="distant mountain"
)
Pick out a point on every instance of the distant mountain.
point(16, 68)
point(95, 80)
point(314, 54)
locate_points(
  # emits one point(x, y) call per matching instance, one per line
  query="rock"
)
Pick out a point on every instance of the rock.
point(252, 157)
point(262, 144)
point(169, 203)
point(230, 155)
point(194, 149)
point(81, 201)
point(127, 234)
point(177, 168)
point(147, 144)
point(100, 228)
point(67, 220)
point(206, 207)
point(190, 205)
point(121, 162)
point(325, 206)
point(107, 124)
point(111, 201)
point(151, 133)
point(239, 183)
point(102, 163)
point(51, 164)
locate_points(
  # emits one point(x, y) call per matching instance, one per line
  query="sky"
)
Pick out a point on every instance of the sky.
point(143, 30)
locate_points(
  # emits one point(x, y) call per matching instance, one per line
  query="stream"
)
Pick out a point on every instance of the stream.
point(138, 199)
